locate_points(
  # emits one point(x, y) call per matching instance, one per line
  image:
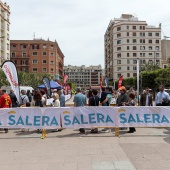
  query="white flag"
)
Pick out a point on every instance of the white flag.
point(10, 71)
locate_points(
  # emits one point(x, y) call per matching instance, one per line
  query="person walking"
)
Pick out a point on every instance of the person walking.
point(5, 102)
point(146, 98)
point(162, 97)
point(80, 101)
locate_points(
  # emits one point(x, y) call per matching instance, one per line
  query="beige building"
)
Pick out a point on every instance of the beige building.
point(165, 46)
point(126, 40)
point(4, 32)
point(84, 77)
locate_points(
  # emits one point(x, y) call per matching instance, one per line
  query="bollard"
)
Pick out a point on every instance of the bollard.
point(117, 132)
point(44, 134)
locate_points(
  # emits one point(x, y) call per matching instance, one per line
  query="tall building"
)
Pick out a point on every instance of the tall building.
point(165, 53)
point(4, 32)
point(126, 40)
point(38, 56)
point(84, 77)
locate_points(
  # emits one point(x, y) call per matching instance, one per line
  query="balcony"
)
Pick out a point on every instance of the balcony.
point(20, 56)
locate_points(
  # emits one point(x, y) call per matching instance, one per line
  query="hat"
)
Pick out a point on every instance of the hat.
point(122, 88)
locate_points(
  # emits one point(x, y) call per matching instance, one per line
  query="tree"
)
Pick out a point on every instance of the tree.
point(149, 67)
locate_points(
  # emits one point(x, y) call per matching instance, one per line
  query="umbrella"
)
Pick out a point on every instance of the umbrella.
point(53, 85)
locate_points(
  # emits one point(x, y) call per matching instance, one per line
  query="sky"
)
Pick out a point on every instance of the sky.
point(79, 25)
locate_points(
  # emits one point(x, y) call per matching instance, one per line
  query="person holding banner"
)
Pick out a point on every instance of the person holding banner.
point(5, 102)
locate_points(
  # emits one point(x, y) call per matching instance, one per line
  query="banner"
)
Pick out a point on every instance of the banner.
point(11, 73)
point(65, 78)
point(32, 118)
point(120, 81)
point(85, 117)
point(46, 82)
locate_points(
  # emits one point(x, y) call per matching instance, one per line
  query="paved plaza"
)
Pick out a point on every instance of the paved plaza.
point(147, 148)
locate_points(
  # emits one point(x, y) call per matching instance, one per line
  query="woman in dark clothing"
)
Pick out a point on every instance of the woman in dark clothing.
point(131, 102)
point(38, 98)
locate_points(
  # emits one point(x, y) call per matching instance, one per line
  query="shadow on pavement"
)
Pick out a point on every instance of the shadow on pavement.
point(167, 133)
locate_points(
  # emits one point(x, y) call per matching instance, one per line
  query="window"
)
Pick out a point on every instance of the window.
point(24, 54)
point(157, 48)
point(14, 46)
point(157, 62)
point(119, 55)
point(52, 54)
point(24, 46)
point(157, 41)
point(118, 35)
point(142, 47)
point(134, 40)
point(157, 34)
point(8, 27)
point(144, 61)
point(119, 42)
point(34, 69)
point(127, 47)
point(134, 61)
point(150, 47)
point(134, 55)
point(128, 61)
point(127, 34)
point(13, 54)
point(118, 75)
point(44, 70)
point(128, 74)
point(127, 54)
point(128, 68)
point(134, 34)
point(52, 70)
point(150, 61)
point(7, 36)
point(127, 27)
point(140, 27)
point(142, 34)
point(118, 61)
point(52, 62)
point(134, 67)
point(34, 53)
point(149, 34)
point(150, 41)
point(44, 53)
point(150, 54)
point(118, 28)
point(127, 40)
point(134, 27)
point(44, 46)
point(118, 68)
point(44, 61)
point(7, 46)
point(134, 74)
point(134, 48)
point(34, 61)
point(157, 54)
point(118, 48)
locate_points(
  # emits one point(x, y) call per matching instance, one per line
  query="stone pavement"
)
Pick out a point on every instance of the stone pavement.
point(146, 149)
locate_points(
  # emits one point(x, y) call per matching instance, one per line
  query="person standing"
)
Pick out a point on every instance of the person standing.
point(61, 98)
point(146, 98)
point(108, 98)
point(123, 97)
point(131, 102)
point(24, 97)
point(13, 98)
point(5, 102)
point(162, 97)
point(79, 101)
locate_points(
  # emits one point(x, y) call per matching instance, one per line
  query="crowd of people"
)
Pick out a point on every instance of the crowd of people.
point(95, 98)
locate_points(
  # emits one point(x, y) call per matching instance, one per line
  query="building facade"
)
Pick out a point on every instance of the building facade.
point(38, 56)
point(126, 40)
point(84, 77)
point(4, 32)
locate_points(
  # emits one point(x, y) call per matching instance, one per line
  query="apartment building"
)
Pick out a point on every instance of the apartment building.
point(126, 40)
point(84, 77)
point(4, 32)
point(38, 56)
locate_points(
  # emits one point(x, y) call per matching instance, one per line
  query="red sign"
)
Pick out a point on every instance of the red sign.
point(120, 82)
